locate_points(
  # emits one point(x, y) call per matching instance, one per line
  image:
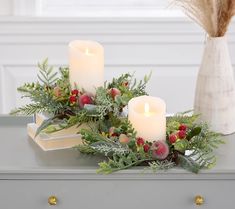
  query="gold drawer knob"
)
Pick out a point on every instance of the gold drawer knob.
point(199, 200)
point(52, 200)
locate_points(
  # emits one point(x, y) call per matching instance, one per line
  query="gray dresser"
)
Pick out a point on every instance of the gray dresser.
point(33, 179)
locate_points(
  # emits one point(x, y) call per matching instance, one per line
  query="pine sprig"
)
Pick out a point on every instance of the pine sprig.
point(28, 109)
point(207, 140)
point(42, 94)
point(138, 88)
point(46, 74)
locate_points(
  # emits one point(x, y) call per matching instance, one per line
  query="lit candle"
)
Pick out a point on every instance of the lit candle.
point(146, 110)
point(86, 65)
point(148, 117)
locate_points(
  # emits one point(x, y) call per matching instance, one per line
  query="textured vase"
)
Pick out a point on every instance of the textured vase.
point(215, 90)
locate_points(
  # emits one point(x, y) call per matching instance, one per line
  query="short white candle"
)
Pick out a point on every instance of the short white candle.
point(86, 65)
point(148, 117)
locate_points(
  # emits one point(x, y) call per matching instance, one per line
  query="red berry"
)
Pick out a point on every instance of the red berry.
point(75, 92)
point(182, 134)
point(125, 84)
point(114, 92)
point(85, 99)
point(112, 132)
point(72, 99)
point(140, 141)
point(173, 138)
point(146, 147)
point(160, 150)
point(183, 127)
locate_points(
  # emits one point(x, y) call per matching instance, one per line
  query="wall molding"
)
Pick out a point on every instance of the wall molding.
point(1, 90)
point(169, 46)
point(109, 31)
point(88, 8)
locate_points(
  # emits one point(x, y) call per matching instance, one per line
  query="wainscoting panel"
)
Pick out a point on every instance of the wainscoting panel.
point(13, 77)
point(167, 82)
point(169, 47)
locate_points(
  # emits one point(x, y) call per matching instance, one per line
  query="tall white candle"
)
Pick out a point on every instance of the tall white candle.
point(148, 117)
point(86, 65)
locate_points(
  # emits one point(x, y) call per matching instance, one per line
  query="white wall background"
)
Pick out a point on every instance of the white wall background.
point(100, 7)
point(6, 7)
point(169, 46)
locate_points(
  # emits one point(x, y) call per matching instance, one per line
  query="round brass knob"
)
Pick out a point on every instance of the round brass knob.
point(199, 200)
point(52, 200)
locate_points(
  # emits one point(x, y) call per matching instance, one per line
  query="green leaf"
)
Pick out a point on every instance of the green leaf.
point(155, 166)
point(147, 77)
point(188, 164)
point(85, 149)
point(181, 145)
point(194, 132)
point(45, 124)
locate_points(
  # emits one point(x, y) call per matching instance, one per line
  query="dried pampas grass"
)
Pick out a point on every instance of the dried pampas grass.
point(212, 15)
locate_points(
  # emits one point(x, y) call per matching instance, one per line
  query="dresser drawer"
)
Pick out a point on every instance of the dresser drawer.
point(116, 194)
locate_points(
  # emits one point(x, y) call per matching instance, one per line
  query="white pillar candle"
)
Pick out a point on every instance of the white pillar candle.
point(86, 65)
point(148, 117)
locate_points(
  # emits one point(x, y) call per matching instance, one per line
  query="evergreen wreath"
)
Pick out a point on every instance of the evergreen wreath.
point(189, 144)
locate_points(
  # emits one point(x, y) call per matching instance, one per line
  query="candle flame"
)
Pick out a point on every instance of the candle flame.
point(146, 108)
point(87, 52)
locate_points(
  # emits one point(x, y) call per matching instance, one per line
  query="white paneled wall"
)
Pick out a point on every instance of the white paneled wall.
point(6, 7)
point(109, 8)
point(170, 47)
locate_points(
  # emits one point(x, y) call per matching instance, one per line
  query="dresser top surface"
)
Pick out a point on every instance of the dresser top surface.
point(21, 157)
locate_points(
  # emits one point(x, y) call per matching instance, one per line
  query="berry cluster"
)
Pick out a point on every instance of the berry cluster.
point(80, 98)
point(76, 97)
point(180, 134)
point(157, 150)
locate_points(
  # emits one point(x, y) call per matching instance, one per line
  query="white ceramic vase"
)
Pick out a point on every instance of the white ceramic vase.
point(215, 90)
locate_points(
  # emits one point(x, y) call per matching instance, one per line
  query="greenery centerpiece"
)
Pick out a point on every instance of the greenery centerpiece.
point(188, 144)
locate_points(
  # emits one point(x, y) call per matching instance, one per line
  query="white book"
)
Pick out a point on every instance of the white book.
point(63, 139)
